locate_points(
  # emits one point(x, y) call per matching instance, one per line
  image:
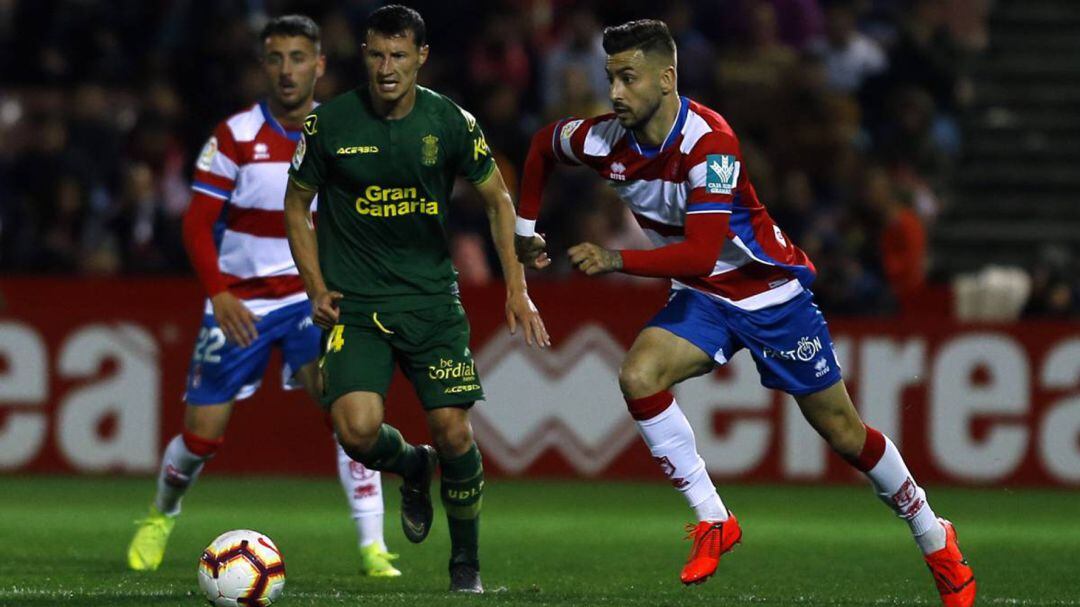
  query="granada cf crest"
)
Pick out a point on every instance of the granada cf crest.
point(429, 152)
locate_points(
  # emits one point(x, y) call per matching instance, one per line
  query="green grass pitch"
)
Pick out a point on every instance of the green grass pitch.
point(62, 542)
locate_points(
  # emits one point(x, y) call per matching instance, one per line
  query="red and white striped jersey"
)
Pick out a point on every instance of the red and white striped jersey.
point(699, 169)
point(245, 164)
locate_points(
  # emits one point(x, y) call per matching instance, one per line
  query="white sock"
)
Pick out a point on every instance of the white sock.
point(179, 469)
point(369, 530)
point(671, 442)
point(896, 487)
point(363, 489)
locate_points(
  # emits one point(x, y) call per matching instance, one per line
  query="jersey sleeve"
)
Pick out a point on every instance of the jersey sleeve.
point(217, 165)
point(308, 167)
point(568, 140)
point(715, 176)
point(560, 142)
point(474, 159)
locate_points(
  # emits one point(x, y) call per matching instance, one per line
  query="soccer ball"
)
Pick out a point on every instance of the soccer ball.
point(241, 567)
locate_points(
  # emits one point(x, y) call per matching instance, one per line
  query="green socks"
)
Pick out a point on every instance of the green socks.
point(462, 487)
point(462, 495)
point(391, 454)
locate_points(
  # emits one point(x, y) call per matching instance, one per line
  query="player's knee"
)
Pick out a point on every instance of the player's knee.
point(452, 440)
point(637, 381)
point(356, 438)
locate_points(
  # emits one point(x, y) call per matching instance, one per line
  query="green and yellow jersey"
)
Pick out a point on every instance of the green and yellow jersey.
point(383, 190)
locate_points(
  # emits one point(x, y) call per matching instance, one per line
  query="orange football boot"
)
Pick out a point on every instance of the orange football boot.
point(711, 540)
point(955, 580)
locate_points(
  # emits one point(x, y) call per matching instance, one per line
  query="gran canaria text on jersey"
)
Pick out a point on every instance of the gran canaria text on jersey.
point(378, 201)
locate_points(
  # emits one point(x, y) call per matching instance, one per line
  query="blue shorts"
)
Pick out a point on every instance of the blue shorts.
point(790, 342)
point(222, 371)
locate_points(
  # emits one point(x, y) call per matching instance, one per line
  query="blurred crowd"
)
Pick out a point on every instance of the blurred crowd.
point(847, 112)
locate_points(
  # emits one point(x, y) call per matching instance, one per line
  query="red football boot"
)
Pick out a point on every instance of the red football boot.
point(711, 540)
point(954, 579)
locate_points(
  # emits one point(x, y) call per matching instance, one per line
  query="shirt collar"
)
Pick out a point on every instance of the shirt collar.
point(673, 134)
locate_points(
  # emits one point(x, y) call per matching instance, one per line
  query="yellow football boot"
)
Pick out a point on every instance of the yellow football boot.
point(375, 561)
point(147, 548)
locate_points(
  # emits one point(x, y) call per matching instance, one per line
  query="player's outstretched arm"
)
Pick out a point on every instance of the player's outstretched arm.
point(541, 160)
point(519, 308)
point(235, 319)
point(305, 251)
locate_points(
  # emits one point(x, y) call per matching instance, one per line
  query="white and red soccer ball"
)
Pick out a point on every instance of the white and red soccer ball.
point(242, 568)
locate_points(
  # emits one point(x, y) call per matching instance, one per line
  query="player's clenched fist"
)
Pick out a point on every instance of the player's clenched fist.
point(594, 259)
point(324, 309)
point(530, 251)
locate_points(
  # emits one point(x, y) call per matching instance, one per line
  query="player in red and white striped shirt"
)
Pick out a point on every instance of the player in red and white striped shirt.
point(738, 282)
point(234, 232)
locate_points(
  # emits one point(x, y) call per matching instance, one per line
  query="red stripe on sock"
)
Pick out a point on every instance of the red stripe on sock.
point(650, 406)
point(203, 447)
point(872, 450)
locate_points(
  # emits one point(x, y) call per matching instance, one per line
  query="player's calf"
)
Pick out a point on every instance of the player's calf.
point(670, 439)
point(462, 493)
point(833, 416)
point(181, 464)
point(389, 452)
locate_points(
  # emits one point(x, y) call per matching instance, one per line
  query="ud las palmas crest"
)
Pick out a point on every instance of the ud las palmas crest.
point(429, 152)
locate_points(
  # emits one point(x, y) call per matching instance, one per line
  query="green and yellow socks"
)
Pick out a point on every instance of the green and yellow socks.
point(461, 490)
point(462, 493)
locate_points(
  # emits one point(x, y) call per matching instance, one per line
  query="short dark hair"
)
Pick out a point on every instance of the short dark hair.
point(649, 35)
point(395, 20)
point(292, 25)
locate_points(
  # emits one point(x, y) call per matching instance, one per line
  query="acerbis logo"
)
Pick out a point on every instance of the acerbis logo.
point(357, 149)
point(566, 400)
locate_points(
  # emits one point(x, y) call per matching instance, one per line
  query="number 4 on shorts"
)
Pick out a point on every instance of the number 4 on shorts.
point(337, 339)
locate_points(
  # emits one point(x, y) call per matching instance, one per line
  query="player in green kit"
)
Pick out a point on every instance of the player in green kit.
point(383, 159)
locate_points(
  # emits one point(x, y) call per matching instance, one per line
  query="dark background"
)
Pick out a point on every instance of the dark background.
point(904, 144)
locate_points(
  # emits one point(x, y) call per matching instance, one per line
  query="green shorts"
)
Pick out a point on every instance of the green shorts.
point(431, 346)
